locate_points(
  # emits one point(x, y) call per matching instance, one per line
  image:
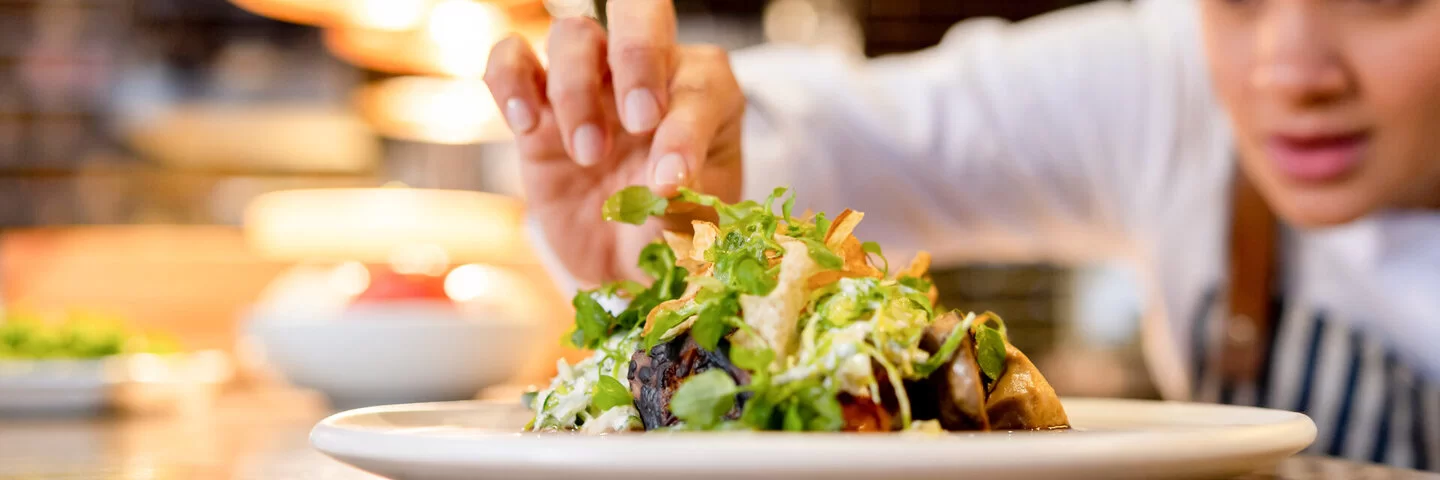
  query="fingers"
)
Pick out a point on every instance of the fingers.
point(574, 86)
point(641, 56)
point(703, 94)
point(517, 81)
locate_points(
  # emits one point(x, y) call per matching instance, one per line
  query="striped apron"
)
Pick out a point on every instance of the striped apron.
point(1367, 404)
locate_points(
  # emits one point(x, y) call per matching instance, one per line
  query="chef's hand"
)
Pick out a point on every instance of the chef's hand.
point(628, 108)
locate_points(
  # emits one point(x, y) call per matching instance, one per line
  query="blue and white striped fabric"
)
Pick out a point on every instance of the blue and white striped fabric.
point(1367, 404)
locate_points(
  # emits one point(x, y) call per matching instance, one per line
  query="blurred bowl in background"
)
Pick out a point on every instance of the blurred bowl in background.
point(55, 386)
point(397, 352)
point(127, 383)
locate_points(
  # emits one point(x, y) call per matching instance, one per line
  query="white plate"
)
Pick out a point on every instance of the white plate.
point(1113, 439)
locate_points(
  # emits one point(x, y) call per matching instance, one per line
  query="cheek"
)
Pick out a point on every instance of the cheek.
point(1230, 53)
point(1399, 71)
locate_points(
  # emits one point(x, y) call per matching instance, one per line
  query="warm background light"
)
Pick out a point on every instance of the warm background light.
point(222, 138)
point(432, 109)
point(438, 49)
point(386, 14)
point(463, 23)
point(455, 41)
point(419, 259)
point(370, 225)
point(349, 278)
point(308, 12)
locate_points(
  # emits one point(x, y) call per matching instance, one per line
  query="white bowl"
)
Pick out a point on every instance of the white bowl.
point(127, 383)
point(394, 353)
point(54, 386)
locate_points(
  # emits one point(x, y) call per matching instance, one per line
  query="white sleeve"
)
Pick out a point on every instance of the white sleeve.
point(1003, 134)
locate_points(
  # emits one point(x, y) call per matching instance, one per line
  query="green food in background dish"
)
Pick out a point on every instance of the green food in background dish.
point(77, 336)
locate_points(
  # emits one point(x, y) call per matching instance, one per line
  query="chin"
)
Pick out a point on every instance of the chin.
point(1317, 205)
point(1320, 207)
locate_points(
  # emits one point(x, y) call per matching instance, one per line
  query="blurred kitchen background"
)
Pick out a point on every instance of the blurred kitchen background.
point(176, 163)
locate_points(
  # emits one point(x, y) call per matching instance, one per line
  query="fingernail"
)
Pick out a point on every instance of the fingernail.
point(671, 170)
point(588, 144)
point(520, 116)
point(642, 112)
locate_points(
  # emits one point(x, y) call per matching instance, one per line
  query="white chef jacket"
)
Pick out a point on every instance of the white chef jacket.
point(1093, 132)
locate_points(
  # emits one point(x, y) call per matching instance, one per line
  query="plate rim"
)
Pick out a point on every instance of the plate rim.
point(1288, 433)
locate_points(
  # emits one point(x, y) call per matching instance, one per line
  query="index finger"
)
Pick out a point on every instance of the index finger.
point(641, 57)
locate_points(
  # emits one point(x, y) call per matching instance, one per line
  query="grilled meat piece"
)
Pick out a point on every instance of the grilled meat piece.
point(656, 374)
point(955, 393)
point(1022, 399)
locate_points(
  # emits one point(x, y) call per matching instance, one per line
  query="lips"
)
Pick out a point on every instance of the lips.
point(1313, 158)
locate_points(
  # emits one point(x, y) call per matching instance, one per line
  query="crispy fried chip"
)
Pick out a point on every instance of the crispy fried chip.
point(856, 260)
point(705, 235)
point(706, 270)
point(842, 228)
point(690, 249)
point(681, 244)
point(681, 328)
point(665, 306)
point(919, 266)
point(776, 316)
point(827, 277)
point(691, 290)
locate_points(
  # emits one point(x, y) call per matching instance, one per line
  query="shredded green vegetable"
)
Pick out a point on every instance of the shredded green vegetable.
point(846, 332)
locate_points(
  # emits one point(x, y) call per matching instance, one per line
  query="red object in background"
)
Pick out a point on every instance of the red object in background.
point(386, 285)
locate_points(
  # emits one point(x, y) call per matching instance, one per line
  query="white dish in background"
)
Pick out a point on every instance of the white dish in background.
point(54, 387)
point(392, 353)
point(1113, 439)
point(70, 387)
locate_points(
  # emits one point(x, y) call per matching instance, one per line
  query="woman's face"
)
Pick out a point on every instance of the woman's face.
point(1335, 103)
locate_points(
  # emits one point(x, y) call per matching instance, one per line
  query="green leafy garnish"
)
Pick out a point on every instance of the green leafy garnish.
point(633, 205)
point(822, 255)
point(822, 226)
point(592, 321)
point(594, 324)
point(704, 399)
point(759, 412)
point(658, 261)
point(713, 321)
point(746, 274)
point(622, 288)
point(753, 359)
point(852, 334)
point(793, 421)
point(946, 351)
point(915, 283)
point(873, 248)
point(610, 393)
point(990, 351)
point(666, 321)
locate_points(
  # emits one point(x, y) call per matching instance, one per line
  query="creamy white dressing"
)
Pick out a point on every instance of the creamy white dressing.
point(570, 393)
point(854, 375)
point(616, 419)
point(839, 352)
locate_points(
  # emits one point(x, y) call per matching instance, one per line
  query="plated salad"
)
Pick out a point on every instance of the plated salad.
point(771, 321)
